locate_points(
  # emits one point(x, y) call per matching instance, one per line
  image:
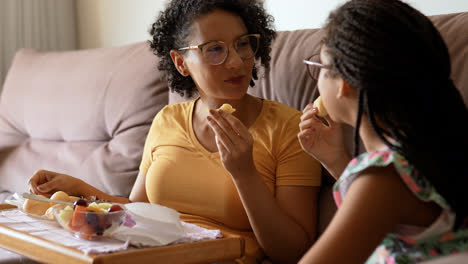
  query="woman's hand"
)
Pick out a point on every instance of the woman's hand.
point(48, 182)
point(324, 142)
point(234, 142)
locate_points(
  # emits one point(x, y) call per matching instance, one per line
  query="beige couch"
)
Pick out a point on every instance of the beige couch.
point(86, 113)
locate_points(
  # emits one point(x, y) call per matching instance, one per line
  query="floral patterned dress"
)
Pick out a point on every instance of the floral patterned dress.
point(398, 246)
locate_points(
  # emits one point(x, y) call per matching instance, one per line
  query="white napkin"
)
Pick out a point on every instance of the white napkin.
point(154, 225)
point(16, 200)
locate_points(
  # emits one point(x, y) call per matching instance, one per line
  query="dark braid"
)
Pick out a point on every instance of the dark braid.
point(358, 122)
point(397, 60)
point(173, 26)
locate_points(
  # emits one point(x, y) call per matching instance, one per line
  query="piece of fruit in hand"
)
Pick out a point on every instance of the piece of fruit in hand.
point(227, 108)
point(320, 107)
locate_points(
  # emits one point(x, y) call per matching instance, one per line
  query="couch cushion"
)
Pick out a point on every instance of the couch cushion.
point(85, 113)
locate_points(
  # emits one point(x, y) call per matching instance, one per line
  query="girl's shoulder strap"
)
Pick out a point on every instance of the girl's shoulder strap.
point(417, 183)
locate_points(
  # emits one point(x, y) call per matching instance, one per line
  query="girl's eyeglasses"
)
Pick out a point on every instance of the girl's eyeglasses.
point(314, 66)
point(216, 52)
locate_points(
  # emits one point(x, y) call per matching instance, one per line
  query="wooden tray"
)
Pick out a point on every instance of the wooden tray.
point(42, 250)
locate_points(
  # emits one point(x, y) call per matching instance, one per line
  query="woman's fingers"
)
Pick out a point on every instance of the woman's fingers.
point(232, 137)
point(236, 125)
point(43, 182)
point(222, 149)
point(231, 126)
point(37, 178)
point(220, 135)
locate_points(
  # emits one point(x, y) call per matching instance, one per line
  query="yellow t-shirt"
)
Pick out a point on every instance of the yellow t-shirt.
point(183, 175)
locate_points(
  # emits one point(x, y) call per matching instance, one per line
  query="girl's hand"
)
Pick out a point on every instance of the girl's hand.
point(234, 142)
point(324, 143)
point(48, 182)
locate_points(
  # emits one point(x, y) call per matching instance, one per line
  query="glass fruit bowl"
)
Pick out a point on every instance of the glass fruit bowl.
point(91, 221)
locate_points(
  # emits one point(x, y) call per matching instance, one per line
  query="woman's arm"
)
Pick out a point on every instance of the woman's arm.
point(138, 193)
point(284, 223)
point(48, 182)
point(285, 226)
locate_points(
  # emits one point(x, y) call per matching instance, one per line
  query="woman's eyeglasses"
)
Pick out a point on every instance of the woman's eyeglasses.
point(216, 52)
point(314, 66)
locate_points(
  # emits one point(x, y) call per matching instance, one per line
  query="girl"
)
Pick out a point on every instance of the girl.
point(385, 70)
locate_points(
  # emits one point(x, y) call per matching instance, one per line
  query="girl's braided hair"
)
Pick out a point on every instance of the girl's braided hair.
point(172, 28)
point(398, 62)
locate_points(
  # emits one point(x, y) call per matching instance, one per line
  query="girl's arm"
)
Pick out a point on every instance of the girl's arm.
point(376, 202)
point(324, 142)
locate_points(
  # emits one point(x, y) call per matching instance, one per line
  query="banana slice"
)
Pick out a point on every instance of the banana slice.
point(227, 108)
point(59, 196)
point(35, 207)
point(321, 108)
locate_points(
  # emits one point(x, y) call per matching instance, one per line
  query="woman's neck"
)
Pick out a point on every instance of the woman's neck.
point(247, 108)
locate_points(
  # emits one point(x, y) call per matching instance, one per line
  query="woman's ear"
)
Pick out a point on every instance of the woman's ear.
point(179, 63)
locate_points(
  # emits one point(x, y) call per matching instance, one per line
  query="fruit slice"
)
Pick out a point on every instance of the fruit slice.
point(78, 218)
point(320, 107)
point(104, 206)
point(96, 208)
point(227, 108)
point(65, 215)
point(115, 208)
point(59, 196)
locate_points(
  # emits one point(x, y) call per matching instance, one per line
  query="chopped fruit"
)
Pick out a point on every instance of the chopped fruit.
point(86, 229)
point(227, 108)
point(78, 218)
point(90, 221)
point(81, 202)
point(115, 208)
point(66, 214)
point(105, 206)
point(95, 207)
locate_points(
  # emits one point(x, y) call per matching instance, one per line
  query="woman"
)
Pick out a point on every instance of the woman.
point(244, 173)
point(385, 70)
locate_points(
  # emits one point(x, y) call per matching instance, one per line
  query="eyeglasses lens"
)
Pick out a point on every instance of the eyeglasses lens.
point(247, 46)
point(313, 70)
point(216, 52)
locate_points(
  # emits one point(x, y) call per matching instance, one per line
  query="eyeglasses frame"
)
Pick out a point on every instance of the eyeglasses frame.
point(317, 64)
point(200, 47)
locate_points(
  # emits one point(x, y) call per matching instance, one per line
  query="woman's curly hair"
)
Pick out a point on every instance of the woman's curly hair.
point(172, 28)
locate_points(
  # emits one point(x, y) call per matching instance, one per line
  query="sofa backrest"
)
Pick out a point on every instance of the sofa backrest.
point(84, 113)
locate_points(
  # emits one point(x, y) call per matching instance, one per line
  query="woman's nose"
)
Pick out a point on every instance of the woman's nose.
point(233, 59)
